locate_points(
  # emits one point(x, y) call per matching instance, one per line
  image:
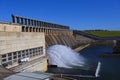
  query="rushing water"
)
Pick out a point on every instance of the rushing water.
point(64, 56)
point(110, 68)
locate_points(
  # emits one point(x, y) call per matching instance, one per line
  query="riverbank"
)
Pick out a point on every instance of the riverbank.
point(81, 47)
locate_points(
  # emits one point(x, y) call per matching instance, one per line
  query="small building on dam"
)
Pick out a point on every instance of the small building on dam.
point(24, 40)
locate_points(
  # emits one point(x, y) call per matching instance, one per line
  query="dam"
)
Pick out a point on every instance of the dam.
point(23, 43)
point(54, 33)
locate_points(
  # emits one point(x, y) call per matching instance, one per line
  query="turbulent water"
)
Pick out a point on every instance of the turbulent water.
point(64, 56)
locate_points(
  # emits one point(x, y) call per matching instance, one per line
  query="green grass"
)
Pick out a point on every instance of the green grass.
point(104, 33)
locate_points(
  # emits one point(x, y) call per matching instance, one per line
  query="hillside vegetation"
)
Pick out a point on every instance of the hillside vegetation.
point(104, 33)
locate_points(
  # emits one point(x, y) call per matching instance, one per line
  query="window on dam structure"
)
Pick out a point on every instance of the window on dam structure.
point(14, 57)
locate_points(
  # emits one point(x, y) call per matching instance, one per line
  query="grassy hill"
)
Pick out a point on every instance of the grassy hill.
point(104, 33)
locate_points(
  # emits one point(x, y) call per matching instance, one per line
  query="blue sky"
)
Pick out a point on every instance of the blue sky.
point(78, 14)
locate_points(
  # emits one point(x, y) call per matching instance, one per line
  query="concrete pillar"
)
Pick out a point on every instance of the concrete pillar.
point(7, 57)
point(26, 29)
point(13, 19)
point(52, 31)
point(28, 53)
point(17, 56)
point(37, 29)
point(52, 25)
point(35, 23)
point(22, 21)
point(32, 22)
point(40, 29)
point(25, 53)
point(29, 22)
point(58, 26)
point(40, 23)
point(34, 29)
point(30, 29)
point(44, 30)
point(48, 31)
point(47, 25)
point(12, 57)
point(26, 22)
point(18, 19)
point(55, 26)
point(43, 24)
point(23, 29)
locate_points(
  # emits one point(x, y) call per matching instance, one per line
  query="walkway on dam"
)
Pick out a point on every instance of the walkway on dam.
point(95, 37)
point(26, 65)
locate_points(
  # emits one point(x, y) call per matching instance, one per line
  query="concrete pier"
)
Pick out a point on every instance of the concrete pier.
point(81, 47)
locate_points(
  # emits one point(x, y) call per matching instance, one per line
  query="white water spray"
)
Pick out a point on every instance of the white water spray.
point(64, 56)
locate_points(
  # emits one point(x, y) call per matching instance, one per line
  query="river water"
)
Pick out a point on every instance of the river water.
point(110, 66)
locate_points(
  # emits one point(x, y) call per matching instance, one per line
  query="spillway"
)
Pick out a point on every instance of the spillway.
point(64, 56)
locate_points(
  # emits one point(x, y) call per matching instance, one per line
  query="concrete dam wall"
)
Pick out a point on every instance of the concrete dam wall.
point(23, 42)
point(54, 33)
point(61, 38)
